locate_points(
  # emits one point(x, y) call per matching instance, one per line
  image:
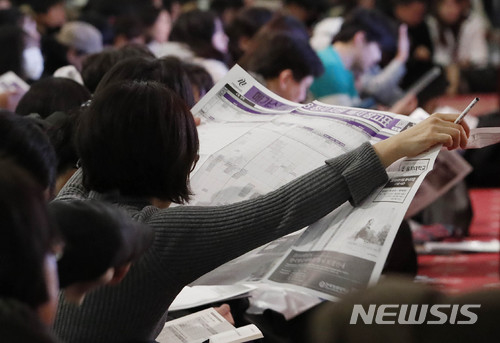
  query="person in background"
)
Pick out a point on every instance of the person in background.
point(169, 71)
point(284, 64)
point(28, 271)
point(459, 39)
point(203, 33)
point(50, 15)
point(128, 29)
point(309, 12)
point(52, 94)
point(157, 24)
point(96, 65)
point(281, 22)
point(24, 57)
point(24, 142)
point(200, 79)
point(243, 27)
point(79, 39)
point(412, 13)
point(226, 9)
point(100, 244)
point(174, 7)
point(355, 49)
point(324, 31)
point(77, 246)
point(382, 84)
point(13, 60)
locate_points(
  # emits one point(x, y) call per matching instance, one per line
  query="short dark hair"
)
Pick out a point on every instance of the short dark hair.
point(52, 94)
point(247, 22)
point(138, 138)
point(25, 238)
point(286, 23)
point(314, 9)
point(95, 66)
point(129, 26)
point(97, 236)
point(169, 71)
point(273, 53)
point(23, 141)
point(195, 28)
point(375, 25)
point(60, 128)
point(199, 77)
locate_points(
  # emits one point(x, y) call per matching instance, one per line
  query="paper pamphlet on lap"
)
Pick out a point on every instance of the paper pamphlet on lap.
point(252, 142)
point(206, 325)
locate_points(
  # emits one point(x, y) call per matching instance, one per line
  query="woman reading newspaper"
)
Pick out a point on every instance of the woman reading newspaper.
point(138, 144)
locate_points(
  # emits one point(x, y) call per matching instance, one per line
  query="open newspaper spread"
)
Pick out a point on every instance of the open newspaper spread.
point(252, 141)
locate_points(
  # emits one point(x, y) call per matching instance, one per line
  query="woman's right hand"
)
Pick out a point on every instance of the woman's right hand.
point(437, 129)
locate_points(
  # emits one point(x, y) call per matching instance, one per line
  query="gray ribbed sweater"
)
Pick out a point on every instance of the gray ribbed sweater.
point(191, 241)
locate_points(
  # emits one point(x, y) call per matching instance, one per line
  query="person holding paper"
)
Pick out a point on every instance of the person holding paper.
point(138, 144)
point(351, 59)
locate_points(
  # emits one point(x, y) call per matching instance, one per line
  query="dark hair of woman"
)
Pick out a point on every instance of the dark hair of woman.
point(195, 29)
point(26, 236)
point(60, 128)
point(138, 138)
point(286, 23)
point(52, 94)
point(200, 78)
point(169, 71)
point(270, 54)
point(23, 141)
point(95, 66)
point(244, 26)
point(374, 24)
point(443, 26)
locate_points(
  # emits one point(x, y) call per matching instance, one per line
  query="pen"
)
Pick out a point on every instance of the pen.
point(467, 109)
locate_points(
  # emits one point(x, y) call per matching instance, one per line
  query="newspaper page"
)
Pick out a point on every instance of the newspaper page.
point(252, 142)
point(206, 326)
point(196, 296)
point(449, 169)
point(483, 136)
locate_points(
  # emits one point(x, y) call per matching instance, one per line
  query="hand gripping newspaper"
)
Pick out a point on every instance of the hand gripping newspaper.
point(251, 142)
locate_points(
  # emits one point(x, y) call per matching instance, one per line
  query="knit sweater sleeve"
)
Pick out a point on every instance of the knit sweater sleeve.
point(74, 189)
point(194, 240)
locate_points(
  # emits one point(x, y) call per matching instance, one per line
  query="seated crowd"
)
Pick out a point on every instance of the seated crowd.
point(94, 154)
